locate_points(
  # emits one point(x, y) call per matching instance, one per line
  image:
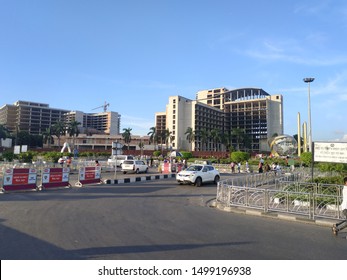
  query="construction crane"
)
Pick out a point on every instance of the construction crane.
point(103, 106)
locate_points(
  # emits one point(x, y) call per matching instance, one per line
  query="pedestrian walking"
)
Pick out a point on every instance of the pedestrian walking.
point(260, 167)
point(343, 224)
point(68, 162)
point(232, 166)
point(239, 167)
point(61, 161)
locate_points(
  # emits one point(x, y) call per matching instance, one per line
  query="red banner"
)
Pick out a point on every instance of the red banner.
point(15, 179)
point(55, 177)
point(89, 175)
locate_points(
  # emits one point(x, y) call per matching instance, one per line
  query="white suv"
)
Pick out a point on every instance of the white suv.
point(134, 166)
point(118, 160)
point(198, 174)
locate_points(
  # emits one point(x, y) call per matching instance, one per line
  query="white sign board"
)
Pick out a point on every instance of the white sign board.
point(16, 150)
point(330, 152)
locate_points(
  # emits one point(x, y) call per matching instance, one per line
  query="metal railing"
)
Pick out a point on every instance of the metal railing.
point(286, 194)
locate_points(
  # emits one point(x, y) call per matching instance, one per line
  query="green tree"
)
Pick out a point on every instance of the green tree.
point(127, 135)
point(153, 136)
point(73, 130)
point(47, 136)
point(190, 135)
point(240, 137)
point(204, 136)
point(59, 129)
point(4, 132)
point(216, 138)
point(168, 138)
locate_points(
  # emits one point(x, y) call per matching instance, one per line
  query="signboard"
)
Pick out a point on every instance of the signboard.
point(89, 175)
point(16, 150)
point(55, 177)
point(334, 152)
point(19, 179)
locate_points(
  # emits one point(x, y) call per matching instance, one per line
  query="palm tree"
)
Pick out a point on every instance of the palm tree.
point(73, 130)
point(47, 136)
point(226, 141)
point(215, 137)
point(127, 135)
point(153, 136)
point(241, 137)
point(204, 136)
point(190, 135)
point(168, 137)
point(59, 129)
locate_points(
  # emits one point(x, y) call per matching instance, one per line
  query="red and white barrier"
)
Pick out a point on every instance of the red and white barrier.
point(89, 175)
point(166, 168)
point(19, 179)
point(55, 178)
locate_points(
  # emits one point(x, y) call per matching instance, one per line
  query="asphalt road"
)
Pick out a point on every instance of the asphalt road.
point(154, 220)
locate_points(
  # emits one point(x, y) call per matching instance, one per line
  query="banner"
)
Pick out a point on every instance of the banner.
point(55, 178)
point(17, 179)
point(89, 175)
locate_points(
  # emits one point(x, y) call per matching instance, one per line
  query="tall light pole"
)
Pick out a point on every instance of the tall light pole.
point(309, 80)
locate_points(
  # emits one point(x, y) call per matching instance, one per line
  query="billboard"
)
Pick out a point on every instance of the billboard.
point(335, 152)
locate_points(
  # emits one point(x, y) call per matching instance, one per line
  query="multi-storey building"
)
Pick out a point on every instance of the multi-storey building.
point(160, 120)
point(254, 112)
point(183, 113)
point(104, 123)
point(32, 117)
point(35, 118)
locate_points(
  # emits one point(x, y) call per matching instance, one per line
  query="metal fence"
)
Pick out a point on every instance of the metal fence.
point(286, 194)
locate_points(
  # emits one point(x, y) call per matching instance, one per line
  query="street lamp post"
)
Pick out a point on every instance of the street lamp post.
point(309, 80)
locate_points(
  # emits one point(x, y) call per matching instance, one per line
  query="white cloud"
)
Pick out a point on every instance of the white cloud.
point(291, 50)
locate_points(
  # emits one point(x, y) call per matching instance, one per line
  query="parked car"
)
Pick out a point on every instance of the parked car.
point(134, 166)
point(118, 160)
point(198, 174)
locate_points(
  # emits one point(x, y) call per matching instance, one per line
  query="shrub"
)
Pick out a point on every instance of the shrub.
point(156, 153)
point(27, 156)
point(239, 156)
point(9, 156)
point(187, 155)
point(306, 158)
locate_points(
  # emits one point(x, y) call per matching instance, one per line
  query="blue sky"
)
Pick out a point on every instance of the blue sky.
point(134, 54)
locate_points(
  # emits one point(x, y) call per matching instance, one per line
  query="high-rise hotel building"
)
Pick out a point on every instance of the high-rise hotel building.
point(35, 118)
point(252, 110)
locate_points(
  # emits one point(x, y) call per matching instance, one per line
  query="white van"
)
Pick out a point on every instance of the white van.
point(118, 160)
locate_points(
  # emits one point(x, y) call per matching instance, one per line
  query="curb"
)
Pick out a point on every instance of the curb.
point(138, 179)
point(282, 216)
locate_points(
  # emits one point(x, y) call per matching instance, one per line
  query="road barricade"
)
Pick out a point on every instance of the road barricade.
point(166, 168)
point(19, 179)
point(89, 175)
point(55, 178)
